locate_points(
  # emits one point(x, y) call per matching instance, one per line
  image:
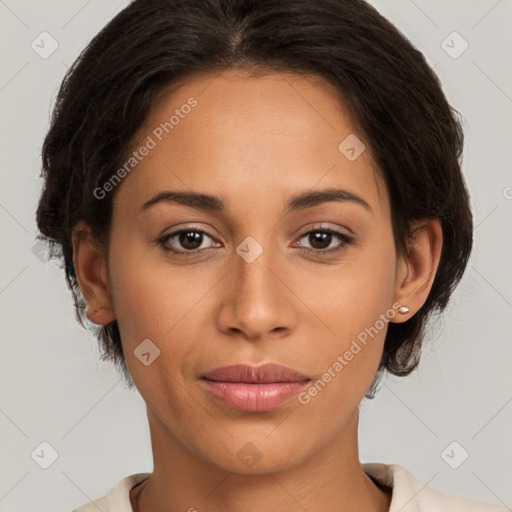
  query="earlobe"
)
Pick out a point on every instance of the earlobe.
point(416, 270)
point(90, 268)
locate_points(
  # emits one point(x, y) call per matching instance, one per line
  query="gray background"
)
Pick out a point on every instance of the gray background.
point(54, 388)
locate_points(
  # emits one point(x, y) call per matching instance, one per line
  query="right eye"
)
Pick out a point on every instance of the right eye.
point(189, 239)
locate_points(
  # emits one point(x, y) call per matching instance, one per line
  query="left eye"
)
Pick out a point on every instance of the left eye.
point(321, 239)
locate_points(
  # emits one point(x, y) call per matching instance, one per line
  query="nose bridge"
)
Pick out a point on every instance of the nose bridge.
point(252, 273)
point(255, 303)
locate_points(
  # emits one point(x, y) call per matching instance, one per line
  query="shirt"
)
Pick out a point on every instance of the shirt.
point(408, 494)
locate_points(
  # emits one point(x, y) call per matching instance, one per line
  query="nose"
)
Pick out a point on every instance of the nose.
point(256, 300)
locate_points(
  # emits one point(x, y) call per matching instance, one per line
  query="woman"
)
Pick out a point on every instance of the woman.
point(261, 204)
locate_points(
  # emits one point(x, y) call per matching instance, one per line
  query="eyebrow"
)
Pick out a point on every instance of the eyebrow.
point(300, 201)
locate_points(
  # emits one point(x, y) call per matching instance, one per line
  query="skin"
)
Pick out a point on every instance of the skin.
point(253, 141)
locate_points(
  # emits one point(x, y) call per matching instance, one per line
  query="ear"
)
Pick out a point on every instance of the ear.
point(91, 272)
point(416, 269)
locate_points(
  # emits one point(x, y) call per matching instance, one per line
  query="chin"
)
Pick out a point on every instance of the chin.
point(247, 457)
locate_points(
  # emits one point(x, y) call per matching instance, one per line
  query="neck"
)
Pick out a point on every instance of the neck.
point(331, 479)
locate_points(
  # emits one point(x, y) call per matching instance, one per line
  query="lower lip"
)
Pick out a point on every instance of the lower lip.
point(254, 397)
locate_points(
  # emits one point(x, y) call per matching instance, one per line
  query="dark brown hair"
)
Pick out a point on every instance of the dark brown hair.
point(415, 136)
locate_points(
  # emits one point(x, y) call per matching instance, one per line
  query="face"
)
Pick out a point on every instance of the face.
point(269, 271)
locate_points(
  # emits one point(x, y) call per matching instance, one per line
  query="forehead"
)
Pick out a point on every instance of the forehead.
point(239, 135)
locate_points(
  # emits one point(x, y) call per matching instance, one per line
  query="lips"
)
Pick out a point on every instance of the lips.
point(267, 373)
point(254, 388)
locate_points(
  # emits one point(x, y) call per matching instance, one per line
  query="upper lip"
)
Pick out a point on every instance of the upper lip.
point(269, 372)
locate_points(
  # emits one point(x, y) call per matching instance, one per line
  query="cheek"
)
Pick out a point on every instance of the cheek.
point(150, 296)
point(159, 302)
point(351, 296)
point(354, 301)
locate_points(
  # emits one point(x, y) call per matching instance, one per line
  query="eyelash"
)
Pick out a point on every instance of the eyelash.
point(346, 239)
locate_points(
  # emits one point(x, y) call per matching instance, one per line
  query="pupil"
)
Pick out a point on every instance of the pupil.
point(320, 237)
point(190, 239)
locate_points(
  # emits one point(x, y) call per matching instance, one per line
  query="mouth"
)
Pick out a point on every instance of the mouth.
point(250, 388)
point(243, 373)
